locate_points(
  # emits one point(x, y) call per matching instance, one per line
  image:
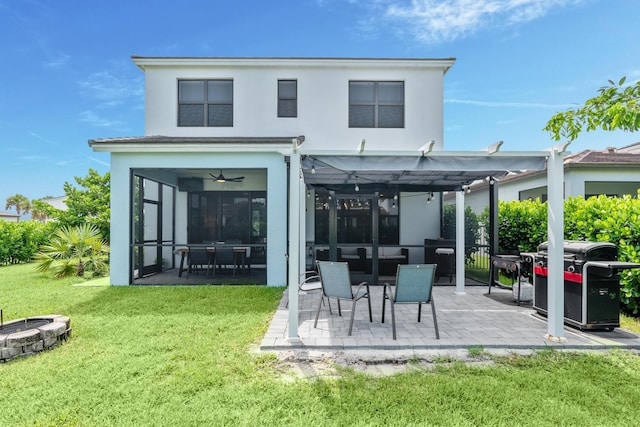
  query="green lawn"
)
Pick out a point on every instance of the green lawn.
point(179, 356)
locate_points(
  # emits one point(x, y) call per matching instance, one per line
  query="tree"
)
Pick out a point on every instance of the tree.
point(40, 210)
point(20, 202)
point(87, 204)
point(471, 228)
point(616, 107)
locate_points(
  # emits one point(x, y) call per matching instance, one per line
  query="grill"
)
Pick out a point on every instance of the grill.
point(591, 283)
point(520, 265)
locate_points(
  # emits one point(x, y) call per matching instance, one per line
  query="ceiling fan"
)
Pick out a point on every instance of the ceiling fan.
point(221, 178)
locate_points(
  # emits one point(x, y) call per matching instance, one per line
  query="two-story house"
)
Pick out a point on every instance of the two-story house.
point(236, 117)
point(291, 158)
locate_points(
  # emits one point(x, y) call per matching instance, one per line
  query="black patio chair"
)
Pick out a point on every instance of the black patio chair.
point(199, 259)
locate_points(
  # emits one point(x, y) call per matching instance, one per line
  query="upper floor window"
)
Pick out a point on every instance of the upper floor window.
point(287, 98)
point(205, 103)
point(376, 104)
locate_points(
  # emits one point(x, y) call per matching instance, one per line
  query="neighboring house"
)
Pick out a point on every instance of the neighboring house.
point(611, 172)
point(632, 148)
point(56, 202)
point(10, 217)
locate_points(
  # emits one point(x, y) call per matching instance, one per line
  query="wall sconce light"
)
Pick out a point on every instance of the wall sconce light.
point(429, 197)
point(361, 146)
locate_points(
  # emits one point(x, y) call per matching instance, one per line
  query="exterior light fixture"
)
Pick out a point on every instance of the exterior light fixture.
point(361, 146)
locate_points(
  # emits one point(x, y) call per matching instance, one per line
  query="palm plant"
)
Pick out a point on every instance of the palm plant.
point(74, 250)
point(20, 202)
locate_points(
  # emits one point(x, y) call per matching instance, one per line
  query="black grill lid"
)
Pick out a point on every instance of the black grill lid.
point(588, 251)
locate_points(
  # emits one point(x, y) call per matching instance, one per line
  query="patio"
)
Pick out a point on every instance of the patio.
point(473, 319)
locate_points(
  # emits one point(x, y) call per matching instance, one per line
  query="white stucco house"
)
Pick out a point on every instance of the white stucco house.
point(611, 172)
point(9, 217)
point(293, 158)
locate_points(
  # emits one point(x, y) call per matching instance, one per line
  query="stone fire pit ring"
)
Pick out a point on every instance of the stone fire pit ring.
point(25, 337)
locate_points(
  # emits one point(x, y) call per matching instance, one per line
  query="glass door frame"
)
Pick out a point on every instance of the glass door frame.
point(333, 233)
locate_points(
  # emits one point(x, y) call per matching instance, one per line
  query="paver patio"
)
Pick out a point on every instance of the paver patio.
point(475, 318)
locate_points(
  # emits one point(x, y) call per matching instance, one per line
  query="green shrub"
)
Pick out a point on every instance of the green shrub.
point(523, 225)
point(19, 241)
point(72, 251)
point(471, 228)
point(615, 220)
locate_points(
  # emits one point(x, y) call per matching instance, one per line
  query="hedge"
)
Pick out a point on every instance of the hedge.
point(19, 241)
point(523, 225)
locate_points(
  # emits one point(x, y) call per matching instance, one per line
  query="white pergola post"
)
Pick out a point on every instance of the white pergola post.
point(555, 230)
point(303, 229)
point(460, 242)
point(294, 241)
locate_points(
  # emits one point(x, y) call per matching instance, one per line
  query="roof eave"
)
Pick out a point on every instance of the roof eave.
point(143, 62)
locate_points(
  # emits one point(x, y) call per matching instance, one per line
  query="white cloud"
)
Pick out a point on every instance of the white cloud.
point(33, 158)
point(99, 161)
point(506, 104)
point(111, 89)
point(42, 138)
point(98, 121)
point(436, 21)
point(60, 61)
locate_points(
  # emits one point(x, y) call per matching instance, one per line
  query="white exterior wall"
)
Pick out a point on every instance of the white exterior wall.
point(578, 182)
point(123, 163)
point(419, 220)
point(511, 190)
point(323, 101)
point(323, 115)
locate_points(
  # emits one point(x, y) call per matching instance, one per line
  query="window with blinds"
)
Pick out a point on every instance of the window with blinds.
point(287, 98)
point(375, 104)
point(205, 103)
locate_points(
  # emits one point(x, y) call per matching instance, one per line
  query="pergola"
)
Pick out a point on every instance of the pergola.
point(424, 170)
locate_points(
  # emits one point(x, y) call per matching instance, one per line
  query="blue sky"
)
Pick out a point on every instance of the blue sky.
point(67, 76)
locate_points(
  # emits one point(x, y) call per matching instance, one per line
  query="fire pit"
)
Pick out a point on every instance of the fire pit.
point(24, 337)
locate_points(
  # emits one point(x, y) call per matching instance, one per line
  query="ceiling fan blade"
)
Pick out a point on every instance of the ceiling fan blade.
point(221, 178)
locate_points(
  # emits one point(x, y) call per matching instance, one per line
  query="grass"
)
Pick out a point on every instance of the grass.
point(180, 356)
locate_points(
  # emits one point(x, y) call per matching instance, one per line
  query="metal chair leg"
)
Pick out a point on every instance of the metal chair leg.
point(435, 321)
point(315, 325)
point(393, 318)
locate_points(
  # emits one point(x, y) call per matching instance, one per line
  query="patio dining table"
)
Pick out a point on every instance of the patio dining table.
point(239, 252)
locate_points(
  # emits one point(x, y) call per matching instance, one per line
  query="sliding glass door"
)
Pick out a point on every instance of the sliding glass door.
point(239, 216)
